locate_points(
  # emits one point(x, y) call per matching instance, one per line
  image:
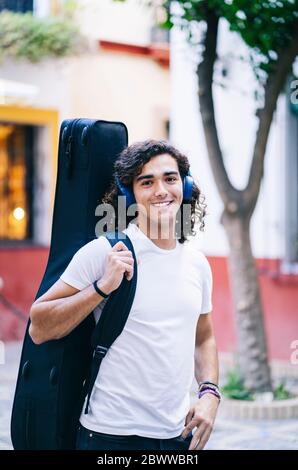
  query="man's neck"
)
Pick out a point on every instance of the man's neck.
point(166, 241)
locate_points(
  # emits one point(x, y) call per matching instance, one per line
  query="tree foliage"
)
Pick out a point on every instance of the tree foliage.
point(24, 36)
point(266, 26)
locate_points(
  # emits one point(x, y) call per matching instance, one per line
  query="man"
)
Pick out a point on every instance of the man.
point(140, 399)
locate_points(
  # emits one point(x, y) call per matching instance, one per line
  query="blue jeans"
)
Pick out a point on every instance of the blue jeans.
point(90, 440)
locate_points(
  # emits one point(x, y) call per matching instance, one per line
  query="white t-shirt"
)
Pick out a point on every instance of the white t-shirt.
point(144, 381)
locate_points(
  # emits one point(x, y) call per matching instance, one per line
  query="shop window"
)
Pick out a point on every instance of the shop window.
point(16, 177)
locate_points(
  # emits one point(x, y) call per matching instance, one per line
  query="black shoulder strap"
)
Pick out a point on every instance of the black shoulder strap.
point(113, 316)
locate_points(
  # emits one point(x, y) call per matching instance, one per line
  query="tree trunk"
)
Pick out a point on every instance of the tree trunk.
point(252, 350)
point(239, 206)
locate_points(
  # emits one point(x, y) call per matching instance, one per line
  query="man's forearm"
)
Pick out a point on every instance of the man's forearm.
point(54, 319)
point(206, 361)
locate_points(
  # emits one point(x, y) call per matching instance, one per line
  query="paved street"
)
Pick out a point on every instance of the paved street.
point(228, 434)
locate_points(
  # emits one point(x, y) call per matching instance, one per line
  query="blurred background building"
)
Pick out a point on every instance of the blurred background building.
point(274, 227)
point(124, 75)
point(121, 75)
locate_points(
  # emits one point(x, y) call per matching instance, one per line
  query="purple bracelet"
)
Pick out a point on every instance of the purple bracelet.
point(209, 390)
point(210, 386)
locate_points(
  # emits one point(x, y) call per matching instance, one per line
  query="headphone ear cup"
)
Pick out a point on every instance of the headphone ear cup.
point(127, 192)
point(187, 188)
point(130, 199)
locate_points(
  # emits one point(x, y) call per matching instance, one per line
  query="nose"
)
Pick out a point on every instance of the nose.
point(160, 190)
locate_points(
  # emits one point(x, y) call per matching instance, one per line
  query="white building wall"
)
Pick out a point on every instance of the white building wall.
point(128, 22)
point(50, 79)
point(237, 124)
point(42, 8)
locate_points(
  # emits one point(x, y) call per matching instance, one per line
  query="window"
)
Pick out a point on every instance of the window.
point(18, 6)
point(16, 176)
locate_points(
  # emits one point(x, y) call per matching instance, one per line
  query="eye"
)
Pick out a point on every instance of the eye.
point(172, 178)
point(146, 183)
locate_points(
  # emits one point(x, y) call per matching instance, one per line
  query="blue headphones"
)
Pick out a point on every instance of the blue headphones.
point(187, 183)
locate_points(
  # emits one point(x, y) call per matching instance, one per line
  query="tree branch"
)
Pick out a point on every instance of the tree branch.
point(205, 69)
point(273, 87)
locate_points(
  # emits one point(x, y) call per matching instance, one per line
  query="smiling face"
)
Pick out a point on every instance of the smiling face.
point(158, 191)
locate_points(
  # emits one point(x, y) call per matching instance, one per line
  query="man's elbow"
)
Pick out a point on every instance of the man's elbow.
point(35, 336)
point(34, 329)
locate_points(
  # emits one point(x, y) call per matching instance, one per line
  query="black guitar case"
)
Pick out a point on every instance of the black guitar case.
point(49, 391)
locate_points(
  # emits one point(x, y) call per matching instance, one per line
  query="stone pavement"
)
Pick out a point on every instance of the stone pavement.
point(227, 434)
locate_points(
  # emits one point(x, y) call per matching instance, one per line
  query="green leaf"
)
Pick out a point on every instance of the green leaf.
point(267, 27)
point(24, 36)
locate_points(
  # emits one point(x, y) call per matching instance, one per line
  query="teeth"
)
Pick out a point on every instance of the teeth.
point(161, 204)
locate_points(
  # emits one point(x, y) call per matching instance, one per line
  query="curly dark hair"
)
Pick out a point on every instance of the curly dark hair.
point(130, 163)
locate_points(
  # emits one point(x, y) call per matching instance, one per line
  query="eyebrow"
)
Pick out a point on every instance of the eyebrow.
point(146, 177)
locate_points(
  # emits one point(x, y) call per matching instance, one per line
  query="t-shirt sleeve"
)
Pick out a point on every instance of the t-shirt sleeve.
point(87, 264)
point(207, 283)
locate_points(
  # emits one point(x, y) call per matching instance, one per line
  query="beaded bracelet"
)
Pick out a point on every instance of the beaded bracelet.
point(209, 384)
point(208, 387)
point(209, 390)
